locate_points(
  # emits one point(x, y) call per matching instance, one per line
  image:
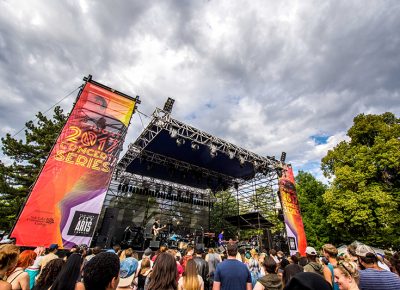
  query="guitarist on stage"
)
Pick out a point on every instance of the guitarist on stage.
point(155, 230)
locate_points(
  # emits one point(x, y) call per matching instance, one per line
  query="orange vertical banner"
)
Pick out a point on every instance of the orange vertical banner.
point(291, 212)
point(66, 200)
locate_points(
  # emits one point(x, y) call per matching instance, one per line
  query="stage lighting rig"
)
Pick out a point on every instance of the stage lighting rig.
point(180, 141)
point(231, 154)
point(173, 133)
point(241, 161)
point(194, 146)
point(213, 150)
point(168, 105)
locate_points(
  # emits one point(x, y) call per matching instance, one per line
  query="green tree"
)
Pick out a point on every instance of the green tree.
point(313, 210)
point(28, 157)
point(364, 198)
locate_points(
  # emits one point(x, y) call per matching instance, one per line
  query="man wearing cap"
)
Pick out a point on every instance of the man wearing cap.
point(232, 274)
point(371, 275)
point(313, 265)
point(50, 256)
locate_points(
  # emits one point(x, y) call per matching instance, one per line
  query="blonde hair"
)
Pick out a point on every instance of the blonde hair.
point(331, 250)
point(190, 279)
point(349, 269)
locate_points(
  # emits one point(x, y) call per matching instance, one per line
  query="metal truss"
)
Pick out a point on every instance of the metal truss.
point(162, 121)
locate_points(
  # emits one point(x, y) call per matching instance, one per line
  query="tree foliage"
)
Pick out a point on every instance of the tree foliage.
point(27, 158)
point(364, 198)
point(314, 211)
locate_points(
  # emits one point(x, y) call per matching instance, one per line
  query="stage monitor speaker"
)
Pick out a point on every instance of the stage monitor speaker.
point(109, 225)
point(154, 245)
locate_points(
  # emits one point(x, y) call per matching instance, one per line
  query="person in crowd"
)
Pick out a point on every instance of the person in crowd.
point(188, 256)
point(395, 263)
point(346, 275)
point(381, 262)
point(191, 280)
point(351, 251)
point(254, 266)
point(8, 260)
point(18, 278)
point(308, 281)
point(164, 273)
point(96, 250)
point(284, 262)
point(146, 255)
point(50, 256)
point(271, 280)
point(221, 241)
point(272, 254)
point(162, 249)
point(330, 253)
point(178, 265)
point(232, 274)
point(202, 266)
point(312, 265)
point(117, 250)
point(371, 275)
point(34, 269)
point(70, 275)
point(213, 259)
point(127, 272)
point(49, 274)
point(144, 271)
point(290, 270)
point(102, 272)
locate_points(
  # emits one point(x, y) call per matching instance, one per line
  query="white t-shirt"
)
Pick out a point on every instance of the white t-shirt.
point(180, 282)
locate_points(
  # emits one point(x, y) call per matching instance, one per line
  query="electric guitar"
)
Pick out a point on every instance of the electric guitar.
point(158, 230)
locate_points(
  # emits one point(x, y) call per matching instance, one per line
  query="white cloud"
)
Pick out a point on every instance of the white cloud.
point(266, 75)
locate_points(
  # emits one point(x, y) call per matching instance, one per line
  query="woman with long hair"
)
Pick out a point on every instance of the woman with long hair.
point(70, 275)
point(164, 274)
point(8, 260)
point(144, 271)
point(190, 279)
point(18, 278)
point(346, 275)
point(49, 274)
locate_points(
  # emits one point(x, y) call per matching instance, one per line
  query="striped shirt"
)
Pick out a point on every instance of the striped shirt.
point(372, 279)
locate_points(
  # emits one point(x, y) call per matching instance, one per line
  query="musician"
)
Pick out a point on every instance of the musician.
point(155, 229)
point(221, 238)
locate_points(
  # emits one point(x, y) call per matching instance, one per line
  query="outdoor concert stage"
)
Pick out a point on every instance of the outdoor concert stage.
point(183, 175)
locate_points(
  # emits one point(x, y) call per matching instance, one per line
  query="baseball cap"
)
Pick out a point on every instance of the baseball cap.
point(363, 250)
point(127, 271)
point(148, 252)
point(53, 247)
point(311, 251)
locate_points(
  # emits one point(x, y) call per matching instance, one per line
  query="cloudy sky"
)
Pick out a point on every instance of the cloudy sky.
point(269, 76)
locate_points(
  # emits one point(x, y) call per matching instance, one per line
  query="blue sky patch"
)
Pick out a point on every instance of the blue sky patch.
point(320, 139)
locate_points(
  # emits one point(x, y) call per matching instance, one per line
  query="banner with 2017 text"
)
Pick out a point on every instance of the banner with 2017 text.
point(291, 212)
point(66, 200)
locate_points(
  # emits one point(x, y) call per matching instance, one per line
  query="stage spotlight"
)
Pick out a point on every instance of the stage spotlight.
point(255, 165)
point(213, 150)
point(231, 154)
point(283, 156)
point(180, 141)
point(173, 133)
point(194, 146)
point(168, 105)
point(241, 160)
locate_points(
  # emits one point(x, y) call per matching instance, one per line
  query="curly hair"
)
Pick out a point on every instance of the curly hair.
point(49, 274)
point(164, 273)
point(100, 271)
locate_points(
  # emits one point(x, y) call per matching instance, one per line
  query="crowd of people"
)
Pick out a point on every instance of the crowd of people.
point(82, 268)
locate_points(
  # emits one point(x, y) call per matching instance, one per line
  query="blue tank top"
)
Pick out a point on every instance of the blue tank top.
point(335, 285)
